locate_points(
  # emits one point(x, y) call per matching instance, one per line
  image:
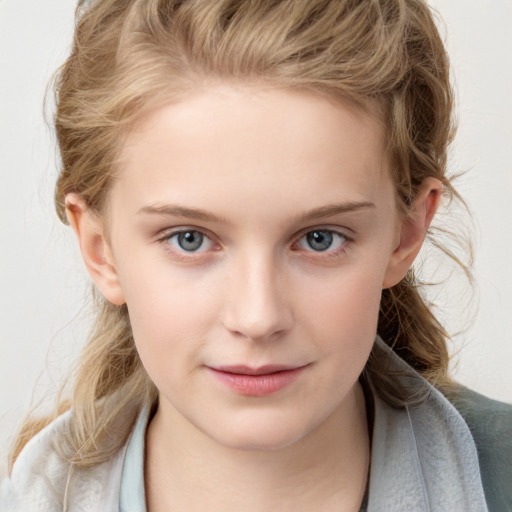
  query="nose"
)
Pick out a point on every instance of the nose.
point(257, 306)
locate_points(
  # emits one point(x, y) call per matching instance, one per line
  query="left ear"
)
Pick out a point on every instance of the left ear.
point(413, 230)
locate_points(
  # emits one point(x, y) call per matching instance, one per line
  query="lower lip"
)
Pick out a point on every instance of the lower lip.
point(258, 385)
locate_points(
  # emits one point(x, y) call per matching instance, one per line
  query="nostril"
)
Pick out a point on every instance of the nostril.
point(269, 326)
point(256, 307)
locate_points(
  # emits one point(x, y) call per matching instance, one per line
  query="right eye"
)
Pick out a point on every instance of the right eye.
point(189, 240)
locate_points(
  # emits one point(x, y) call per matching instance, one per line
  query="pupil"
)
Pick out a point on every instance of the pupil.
point(319, 240)
point(190, 240)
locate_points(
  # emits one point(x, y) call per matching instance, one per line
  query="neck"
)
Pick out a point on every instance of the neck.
point(327, 468)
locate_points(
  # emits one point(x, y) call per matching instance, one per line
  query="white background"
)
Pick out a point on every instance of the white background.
point(43, 317)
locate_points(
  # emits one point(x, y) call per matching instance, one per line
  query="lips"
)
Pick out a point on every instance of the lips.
point(262, 370)
point(257, 382)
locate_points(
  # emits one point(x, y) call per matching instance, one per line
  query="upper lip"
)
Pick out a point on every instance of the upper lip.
point(261, 370)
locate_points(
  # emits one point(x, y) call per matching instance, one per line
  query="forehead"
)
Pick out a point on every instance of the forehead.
point(255, 144)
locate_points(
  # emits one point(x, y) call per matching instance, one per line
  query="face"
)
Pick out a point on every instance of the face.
point(251, 233)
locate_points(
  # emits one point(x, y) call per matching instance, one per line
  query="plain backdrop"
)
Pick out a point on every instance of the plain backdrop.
point(43, 286)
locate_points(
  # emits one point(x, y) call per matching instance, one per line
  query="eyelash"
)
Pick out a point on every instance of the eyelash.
point(327, 253)
point(183, 255)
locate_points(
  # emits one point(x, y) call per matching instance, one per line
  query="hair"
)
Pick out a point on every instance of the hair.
point(131, 55)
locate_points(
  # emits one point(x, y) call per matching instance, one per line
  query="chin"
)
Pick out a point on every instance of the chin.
point(259, 436)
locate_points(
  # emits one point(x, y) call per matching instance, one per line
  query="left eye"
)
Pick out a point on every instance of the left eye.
point(190, 241)
point(321, 240)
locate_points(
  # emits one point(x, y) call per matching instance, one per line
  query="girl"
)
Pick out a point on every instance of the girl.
point(249, 183)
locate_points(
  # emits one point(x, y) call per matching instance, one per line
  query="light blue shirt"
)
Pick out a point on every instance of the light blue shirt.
point(132, 497)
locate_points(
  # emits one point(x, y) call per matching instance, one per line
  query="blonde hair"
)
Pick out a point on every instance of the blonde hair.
point(130, 55)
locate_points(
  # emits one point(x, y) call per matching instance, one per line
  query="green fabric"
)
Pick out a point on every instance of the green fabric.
point(490, 423)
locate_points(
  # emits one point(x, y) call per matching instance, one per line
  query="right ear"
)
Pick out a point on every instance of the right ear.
point(94, 247)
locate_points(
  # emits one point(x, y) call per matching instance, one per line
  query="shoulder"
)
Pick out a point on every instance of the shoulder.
point(490, 423)
point(42, 479)
point(39, 474)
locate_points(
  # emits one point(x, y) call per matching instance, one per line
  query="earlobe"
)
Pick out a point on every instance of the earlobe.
point(95, 250)
point(413, 231)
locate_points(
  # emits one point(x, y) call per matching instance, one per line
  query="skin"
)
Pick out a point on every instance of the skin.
point(254, 171)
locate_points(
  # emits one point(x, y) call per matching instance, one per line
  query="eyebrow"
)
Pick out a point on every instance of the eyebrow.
point(206, 216)
point(182, 211)
point(335, 209)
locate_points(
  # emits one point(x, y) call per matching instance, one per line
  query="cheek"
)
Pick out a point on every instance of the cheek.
point(343, 312)
point(170, 313)
point(340, 321)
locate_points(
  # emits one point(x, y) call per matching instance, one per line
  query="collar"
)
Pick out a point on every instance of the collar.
point(423, 458)
point(132, 496)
